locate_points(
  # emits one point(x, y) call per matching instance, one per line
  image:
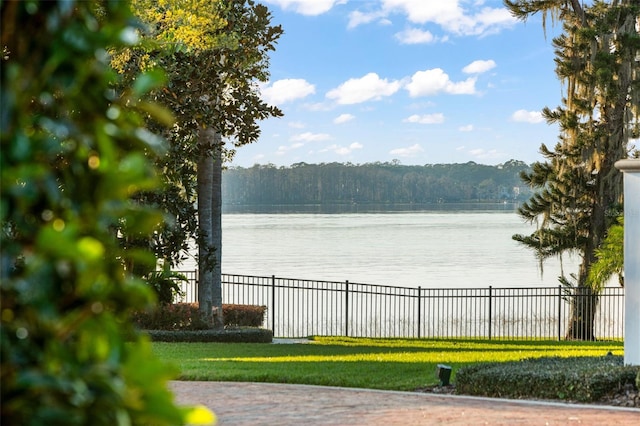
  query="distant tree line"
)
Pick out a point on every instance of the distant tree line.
point(374, 183)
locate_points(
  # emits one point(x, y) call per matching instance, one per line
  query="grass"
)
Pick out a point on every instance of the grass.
point(393, 364)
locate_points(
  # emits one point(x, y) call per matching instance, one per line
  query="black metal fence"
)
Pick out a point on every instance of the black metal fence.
point(298, 308)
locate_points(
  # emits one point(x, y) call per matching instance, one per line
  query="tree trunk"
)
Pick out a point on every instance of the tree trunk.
point(584, 302)
point(216, 232)
point(209, 175)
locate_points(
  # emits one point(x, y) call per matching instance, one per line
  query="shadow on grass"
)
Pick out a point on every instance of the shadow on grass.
point(362, 374)
point(364, 363)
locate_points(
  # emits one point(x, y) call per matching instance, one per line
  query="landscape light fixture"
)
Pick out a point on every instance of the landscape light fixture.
point(444, 374)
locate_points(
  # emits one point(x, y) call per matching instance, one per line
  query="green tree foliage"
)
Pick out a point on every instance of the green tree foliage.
point(212, 73)
point(173, 35)
point(610, 256)
point(578, 189)
point(374, 183)
point(72, 156)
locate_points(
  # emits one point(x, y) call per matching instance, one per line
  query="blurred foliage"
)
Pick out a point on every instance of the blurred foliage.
point(74, 152)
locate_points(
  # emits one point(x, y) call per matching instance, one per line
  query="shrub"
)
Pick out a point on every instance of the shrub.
point(232, 335)
point(185, 316)
point(166, 284)
point(243, 315)
point(177, 316)
point(584, 379)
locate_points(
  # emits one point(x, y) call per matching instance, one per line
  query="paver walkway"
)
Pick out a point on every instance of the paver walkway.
point(281, 405)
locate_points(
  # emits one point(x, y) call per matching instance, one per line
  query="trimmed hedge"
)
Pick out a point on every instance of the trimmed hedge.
point(243, 315)
point(177, 316)
point(185, 316)
point(230, 335)
point(583, 379)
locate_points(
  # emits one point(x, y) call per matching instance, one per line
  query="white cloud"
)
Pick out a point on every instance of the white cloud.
point(525, 116)
point(306, 7)
point(282, 91)
point(407, 152)
point(467, 128)
point(282, 149)
point(425, 119)
point(357, 18)
point(296, 125)
point(342, 150)
point(484, 154)
point(447, 14)
point(367, 88)
point(416, 36)
point(478, 67)
point(492, 20)
point(343, 118)
point(434, 81)
point(310, 137)
point(319, 106)
point(423, 11)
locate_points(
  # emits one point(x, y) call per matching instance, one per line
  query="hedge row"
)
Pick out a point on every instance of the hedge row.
point(243, 315)
point(185, 316)
point(229, 335)
point(583, 379)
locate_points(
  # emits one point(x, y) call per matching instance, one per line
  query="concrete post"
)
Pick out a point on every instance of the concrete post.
point(631, 169)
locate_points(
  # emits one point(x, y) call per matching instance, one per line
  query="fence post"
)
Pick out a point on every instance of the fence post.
point(346, 309)
point(490, 313)
point(273, 303)
point(559, 312)
point(419, 310)
point(195, 290)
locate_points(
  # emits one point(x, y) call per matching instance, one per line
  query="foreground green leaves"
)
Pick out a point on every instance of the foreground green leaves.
point(73, 154)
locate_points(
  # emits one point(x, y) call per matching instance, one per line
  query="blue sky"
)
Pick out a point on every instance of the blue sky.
point(419, 81)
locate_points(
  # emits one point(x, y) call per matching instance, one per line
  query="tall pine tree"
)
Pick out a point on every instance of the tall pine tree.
point(579, 191)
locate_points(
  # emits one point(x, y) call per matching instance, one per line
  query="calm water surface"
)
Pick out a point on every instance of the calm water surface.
point(429, 248)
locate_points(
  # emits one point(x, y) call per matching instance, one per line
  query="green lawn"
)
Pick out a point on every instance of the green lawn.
point(398, 364)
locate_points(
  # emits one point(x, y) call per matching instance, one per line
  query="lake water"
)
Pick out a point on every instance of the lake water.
point(431, 249)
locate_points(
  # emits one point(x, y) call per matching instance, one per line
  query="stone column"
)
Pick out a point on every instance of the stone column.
point(631, 169)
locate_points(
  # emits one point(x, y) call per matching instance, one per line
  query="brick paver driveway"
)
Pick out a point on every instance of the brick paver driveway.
point(278, 404)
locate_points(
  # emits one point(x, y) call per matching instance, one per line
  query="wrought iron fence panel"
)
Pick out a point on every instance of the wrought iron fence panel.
point(300, 307)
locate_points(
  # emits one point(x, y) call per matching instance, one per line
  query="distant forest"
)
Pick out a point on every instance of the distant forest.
point(374, 183)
